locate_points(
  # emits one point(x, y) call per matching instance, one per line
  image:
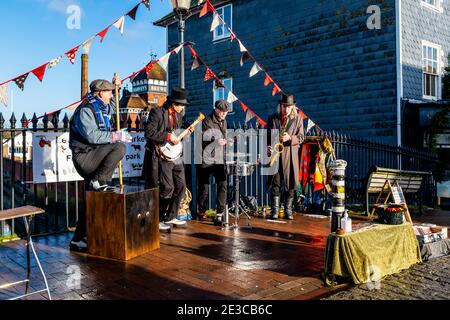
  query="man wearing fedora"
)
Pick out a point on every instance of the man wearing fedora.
point(290, 135)
point(168, 176)
point(214, 129)
point(96, 148)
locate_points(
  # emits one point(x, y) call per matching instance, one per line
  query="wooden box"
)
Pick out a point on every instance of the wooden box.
point(122, 225)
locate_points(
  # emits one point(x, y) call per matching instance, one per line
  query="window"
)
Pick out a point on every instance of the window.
point(156, 100)
point(222, 31)
point(430, 69)
point(436, 5)
point(222, 93)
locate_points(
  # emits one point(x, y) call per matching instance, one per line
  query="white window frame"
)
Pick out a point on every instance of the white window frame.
point(438, 70)
point(223, 92)
point(437, 7)
point(225, 34)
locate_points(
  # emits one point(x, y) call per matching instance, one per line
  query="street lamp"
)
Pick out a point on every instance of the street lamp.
point(181, 9)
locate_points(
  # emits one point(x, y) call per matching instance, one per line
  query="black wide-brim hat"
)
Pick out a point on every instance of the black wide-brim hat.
point(179, 95)
point(288, 100)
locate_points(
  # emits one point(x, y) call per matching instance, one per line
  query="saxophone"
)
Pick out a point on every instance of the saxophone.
point(279, 147)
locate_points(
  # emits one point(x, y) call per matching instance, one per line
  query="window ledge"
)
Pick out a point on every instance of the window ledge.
point(431, 7)
point(429, 98)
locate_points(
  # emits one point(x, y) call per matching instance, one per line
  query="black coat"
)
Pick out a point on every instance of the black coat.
point(213, 130)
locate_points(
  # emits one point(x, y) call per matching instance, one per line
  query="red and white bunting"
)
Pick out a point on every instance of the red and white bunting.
point(164, 61)
point(146, 3)
point(262, 122)
point(249, 115)
point(178, 49)
point(302, 114)
point(255, 69)
point(40, 71)
point(209, 75)
point(268, 80)
point(215, 23)
point(120, 24)
point(231, 97)
point(206, 8)
point(243, 106)
point(132, 12)
point(54, 62)
point(20, 81)
point(87, 45)
point(276, 90)
point(245, 57)
point(4, 100)
point(103, 33)
point(195, 64)
point(72, 55)
point(310, 125)
point(75, 105)
point(241, 46)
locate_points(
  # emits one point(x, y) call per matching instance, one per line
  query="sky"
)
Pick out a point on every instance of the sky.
point(35, 32)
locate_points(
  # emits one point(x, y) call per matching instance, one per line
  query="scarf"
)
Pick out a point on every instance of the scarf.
point(101, 111)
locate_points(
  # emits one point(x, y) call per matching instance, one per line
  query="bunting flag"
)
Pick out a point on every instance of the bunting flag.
point(276, 89)
point(243, 106)
point(310, 125)
point(39, 72)
point(209, 74)
point(218, 84)
point(231, 97)
point(54, 62)
point(72, 54)
point(302, 114)
point(215, 23)
point(249, 116)
point(149, 66)
point(255, 69)
point(119, 24)
point(245, 57)
point(20, 81)
point(232, 36)
point(132, 12)
point(75, 105)
point(206, 8)
point(268, 80)
point(87, 45)
point(241, 47)
point(4, 94)
point(146, 3)
point(164, 61)
point(195, 64)
point(102, 34)
point(262, 122)
point(178, 49)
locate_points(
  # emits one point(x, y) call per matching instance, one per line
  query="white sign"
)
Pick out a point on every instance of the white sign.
point(133, 162)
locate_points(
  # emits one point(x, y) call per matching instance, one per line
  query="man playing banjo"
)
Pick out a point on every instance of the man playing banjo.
point(168, 175)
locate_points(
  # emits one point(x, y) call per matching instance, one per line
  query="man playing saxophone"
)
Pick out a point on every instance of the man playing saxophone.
point(285, 155)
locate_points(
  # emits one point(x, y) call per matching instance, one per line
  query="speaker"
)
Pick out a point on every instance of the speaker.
point(124, 224)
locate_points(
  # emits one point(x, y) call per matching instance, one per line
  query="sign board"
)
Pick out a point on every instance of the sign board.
point(397, 194)
point(133, 162)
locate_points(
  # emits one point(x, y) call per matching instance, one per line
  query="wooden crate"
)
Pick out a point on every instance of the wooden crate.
point(122, 225)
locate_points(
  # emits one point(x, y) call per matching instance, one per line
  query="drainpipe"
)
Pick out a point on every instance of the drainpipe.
point(399, 51)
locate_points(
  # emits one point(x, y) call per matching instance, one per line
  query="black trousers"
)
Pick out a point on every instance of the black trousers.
point(276, 183)
point(204, 175)
point(97, 164)
point(172, 188)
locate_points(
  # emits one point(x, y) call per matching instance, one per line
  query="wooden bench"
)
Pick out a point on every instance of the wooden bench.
point(27, 213)
point(409, 181)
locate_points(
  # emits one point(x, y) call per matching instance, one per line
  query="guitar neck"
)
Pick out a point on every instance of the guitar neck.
point(186, 132)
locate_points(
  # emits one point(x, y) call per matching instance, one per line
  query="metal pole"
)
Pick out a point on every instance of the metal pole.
point(338, 187)
point(181, 27)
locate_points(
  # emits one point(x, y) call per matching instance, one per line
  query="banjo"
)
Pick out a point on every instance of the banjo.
point(171, 152)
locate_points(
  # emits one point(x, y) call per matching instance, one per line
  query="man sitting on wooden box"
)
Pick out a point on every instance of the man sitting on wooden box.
point(96, 149)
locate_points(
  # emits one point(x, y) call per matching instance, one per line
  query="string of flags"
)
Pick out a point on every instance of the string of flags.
point(246, 55)
point(218, 83)
point(71, 54)
point(147, 68)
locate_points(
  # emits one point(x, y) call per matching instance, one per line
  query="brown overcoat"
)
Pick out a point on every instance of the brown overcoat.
point(290, 155)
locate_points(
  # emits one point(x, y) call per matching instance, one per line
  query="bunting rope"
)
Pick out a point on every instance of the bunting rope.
point(39, 72)
point(246, 55)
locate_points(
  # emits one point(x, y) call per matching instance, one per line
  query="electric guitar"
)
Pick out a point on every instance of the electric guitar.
point(171, 152)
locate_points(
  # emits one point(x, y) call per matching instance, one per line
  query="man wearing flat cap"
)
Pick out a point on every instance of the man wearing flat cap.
point(96, 148)
point(214, 129)
point(290, 135)
point(167, 175)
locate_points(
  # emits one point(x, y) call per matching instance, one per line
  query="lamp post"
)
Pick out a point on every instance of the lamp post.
point(181, 9)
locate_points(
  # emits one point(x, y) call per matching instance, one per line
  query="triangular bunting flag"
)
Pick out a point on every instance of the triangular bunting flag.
point(245, 57)
point(119, 24)
point(215, 23)
point(193, 53)
point(20, 81)
point(87, 45)
point(72, 54)
point(249, 115)
point(195, 64)
point(54, 62)
point(268, 80)
point(310, 125)
point(218, 84)
point(75, 105)
point(177, 49)
point(302, 114)
point(132, 13)
point(262, 122)
point(164, 61)
point(39, 72)
point(232, 36)
point(255, 69)
point(149, 67)
point(146, 3)
point(241, 47)
point(4, 94)
point(209, 74)
point(276, 89)
point(102, 34)
point(206, 8)
point(231, 97)
point(243, 106)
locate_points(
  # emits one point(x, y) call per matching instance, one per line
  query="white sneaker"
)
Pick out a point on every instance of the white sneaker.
point(176, 222)
point(164, 227)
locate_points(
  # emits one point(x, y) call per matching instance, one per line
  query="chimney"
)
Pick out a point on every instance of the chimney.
point(84, 75)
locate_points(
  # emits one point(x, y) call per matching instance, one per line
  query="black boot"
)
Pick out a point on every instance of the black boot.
point(275, 211)
point(288, 208)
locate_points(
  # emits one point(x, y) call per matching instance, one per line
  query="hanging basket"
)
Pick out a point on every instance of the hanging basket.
point(390, 214)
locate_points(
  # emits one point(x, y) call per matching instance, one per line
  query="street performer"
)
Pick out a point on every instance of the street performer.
point(291, 135)
point(96, 149)
point(167, 175)
point(214, 129)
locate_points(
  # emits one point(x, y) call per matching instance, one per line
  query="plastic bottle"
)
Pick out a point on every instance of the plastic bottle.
point(346, 223)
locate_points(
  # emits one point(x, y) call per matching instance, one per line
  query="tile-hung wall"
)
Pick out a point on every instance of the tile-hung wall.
point(342, 73)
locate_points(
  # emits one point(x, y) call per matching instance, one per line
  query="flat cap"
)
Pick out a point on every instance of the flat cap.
point(101, 85)
point(222, 105)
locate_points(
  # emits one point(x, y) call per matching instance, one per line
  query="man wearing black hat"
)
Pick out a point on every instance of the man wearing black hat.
point(96, 149)
point(168, 176)
point(290, 137)
point(214, 129)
